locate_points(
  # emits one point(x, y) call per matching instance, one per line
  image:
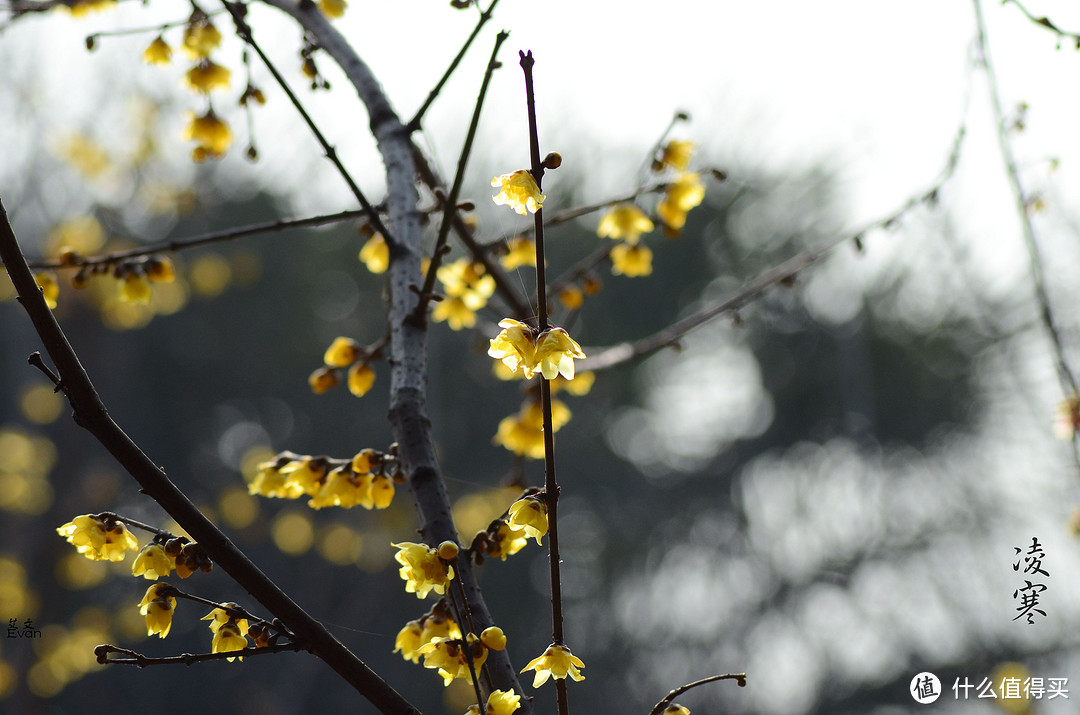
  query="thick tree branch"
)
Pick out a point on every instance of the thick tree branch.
point(90, 413)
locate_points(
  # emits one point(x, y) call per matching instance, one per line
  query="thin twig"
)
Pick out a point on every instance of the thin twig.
point(450, 204)
point(102, 652)
point(551, 484)
point(243, 30)
point(1045, 22)
point(202, 239)
point(740, 678)
point(413, 124)
point(1038, 271)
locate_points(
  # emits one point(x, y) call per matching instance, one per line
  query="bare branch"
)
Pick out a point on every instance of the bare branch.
point(740, 678)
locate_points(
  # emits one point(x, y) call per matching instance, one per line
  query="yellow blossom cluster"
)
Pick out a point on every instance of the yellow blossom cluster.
point(438, 623)
point(550, 353)
point(348, 355)
point(519, 191)
point(366, 480)
point(467, 288)
point(422, 569)
point(556, 662)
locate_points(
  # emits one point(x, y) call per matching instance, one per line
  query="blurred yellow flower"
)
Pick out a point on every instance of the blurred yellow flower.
point(683, 194)
point(211, 133)
point(322, 380)
point(135, 288)
point(333, 8)
point(518, 191)
point(157, 52)
point(631, 261)
point(361, 378)
point(207, 76)
point(520, 251)
point(200, 36)
point(625, 221)
point(342, 352)
point(50, 289)
point(556, 662)
point(677, 154)
point(376, 254)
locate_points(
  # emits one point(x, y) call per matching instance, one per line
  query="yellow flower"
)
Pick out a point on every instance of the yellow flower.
point(158, 610)
point(450, 658)
point(624, 221)
point(304, 476)
point(160, 269)
point(342, 352)
point(382, 491)
point(675, 709)
point(439, 625)
point(97, 540)
point(520, 251)
point(81, 8)
point(518, 191)
point(158, 52)
point(555, 354)
point(523, 433)
point(514, 346)
point(556, 662)
point(212, 134)
point(269, 481)
point(409, 640)
point(361, 378)
point(220, 617)
point(467, 288)
point(494, 638)
point(228, 639)
point(152, 562)
point(333, 8)
point(506, 541)
point(571, 297)
point(376, 254)
point(207, 76)
point(200, 37)
point(631, 261)
point(50, 288)
point(322, 380)
point(530, 514)
point(135, 288)
point(683, 194)
point(677, 155)
point(454, 312)
point(580, 385)
point(344, 488)
point(502, 702)
point(422, 569)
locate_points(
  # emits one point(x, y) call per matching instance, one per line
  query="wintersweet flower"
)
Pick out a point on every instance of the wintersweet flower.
point(382, 491)
point(518, 191)
point(207, 76)
point(422, 569)
point(200, 37)
point(152, 562)
point(625, 221)
point(304, 476)
point(50, 288)
point(506, 541)
point(344, 488)
point(556, 662)
point(135, 288)
point(523, 433)
point(503, 702)
point(467, 287)
point(449, 656)
point(683, 194)
point(360, 379)
point(631, 261)
point(269, 481)
point(376, 254)
point(158, 610)
point(494, 638)
point(439, 625)
point(227, 639)
point(520, 251)
point(555, 354)
point(322, 380)
point(98, 541)
point(220, 617)
point(408, 641)
point(530, 514)
point(158, 52)
point(677, 154)
point(514, 345)
point(342, 352)
point(212, 135)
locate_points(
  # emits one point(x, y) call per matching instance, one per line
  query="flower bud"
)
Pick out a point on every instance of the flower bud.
point(553, 160)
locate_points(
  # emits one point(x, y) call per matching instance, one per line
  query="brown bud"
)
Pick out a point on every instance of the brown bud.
point(553, 160)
